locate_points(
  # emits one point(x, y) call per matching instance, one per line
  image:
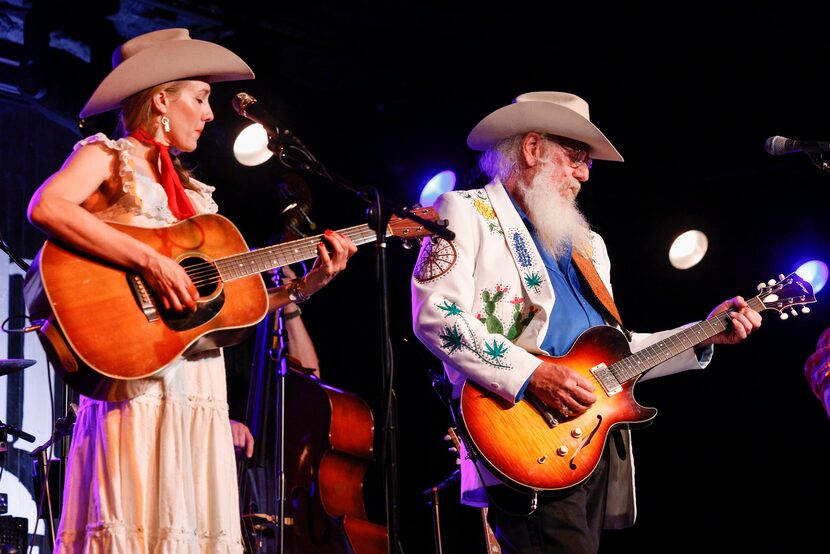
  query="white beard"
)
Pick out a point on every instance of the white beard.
point(558, 221)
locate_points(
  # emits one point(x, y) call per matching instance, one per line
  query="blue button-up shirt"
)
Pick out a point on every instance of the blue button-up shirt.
point(572, 313)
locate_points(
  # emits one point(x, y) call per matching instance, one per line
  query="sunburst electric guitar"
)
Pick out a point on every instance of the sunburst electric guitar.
point(535, 448)
point(104, 330)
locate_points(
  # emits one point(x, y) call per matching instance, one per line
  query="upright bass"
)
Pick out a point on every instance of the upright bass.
point(328, 437)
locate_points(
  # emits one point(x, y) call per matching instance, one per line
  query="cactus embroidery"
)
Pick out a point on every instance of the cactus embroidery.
point(519, 321)
point(490, 319)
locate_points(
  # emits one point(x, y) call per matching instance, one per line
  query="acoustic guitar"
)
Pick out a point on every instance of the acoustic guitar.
point(535, 448)
point(103, 329)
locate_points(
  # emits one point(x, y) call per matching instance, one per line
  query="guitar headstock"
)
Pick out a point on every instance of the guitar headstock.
point(784, 295)
point(408, 228)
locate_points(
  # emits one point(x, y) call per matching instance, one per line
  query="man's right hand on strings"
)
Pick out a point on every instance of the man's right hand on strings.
point(562, 388)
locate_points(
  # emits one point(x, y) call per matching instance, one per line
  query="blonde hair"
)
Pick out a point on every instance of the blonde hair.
point(137, 113)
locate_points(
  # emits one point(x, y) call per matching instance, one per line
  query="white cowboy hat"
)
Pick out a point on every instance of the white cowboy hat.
point(557, 113)
point(158, 57)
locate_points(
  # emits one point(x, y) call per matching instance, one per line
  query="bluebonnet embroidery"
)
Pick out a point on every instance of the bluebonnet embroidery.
point(522, 252)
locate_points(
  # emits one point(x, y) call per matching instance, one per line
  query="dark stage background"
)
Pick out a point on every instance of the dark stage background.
point(385, 96)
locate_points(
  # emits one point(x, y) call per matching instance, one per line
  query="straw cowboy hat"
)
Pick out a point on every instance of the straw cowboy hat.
point(557, 113)
point(158, 57)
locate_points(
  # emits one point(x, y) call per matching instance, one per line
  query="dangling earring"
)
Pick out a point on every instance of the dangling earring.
point(165, 124)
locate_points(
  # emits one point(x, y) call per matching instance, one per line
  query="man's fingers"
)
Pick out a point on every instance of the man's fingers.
point(583, 397)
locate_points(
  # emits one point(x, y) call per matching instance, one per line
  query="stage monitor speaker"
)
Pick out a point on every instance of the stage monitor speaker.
point(14, 534)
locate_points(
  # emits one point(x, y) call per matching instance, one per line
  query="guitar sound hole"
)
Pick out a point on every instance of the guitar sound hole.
point(203, 273)
point(205, 277)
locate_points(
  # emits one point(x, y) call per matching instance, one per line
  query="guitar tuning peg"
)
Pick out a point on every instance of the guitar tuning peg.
point(452, 449)
point(771, 282)
point(446, 437)
point(457, 462)
point(784, 316)
point(805, 310)
point(761, 286)
point(781, 276)
point(793, 312)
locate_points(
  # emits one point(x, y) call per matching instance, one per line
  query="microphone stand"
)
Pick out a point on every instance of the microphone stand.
point(278, 354)
point(818, 160)
point(432, 494)
point(40, 469)
point(293, 154)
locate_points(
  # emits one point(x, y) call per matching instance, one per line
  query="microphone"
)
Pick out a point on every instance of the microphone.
point(14, 431)
point(778, 146)
point(247, 106)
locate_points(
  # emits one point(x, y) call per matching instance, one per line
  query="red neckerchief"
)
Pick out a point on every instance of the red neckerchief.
point(177, 200)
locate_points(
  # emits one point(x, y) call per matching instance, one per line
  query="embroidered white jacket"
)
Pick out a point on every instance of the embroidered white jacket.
point(491, 276)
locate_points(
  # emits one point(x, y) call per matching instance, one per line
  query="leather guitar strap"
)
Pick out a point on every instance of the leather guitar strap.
point(589, 274)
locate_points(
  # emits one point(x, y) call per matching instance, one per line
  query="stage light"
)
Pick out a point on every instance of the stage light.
point(437, 185)
point(815, 272)
point(688, 249)
point(251, 146)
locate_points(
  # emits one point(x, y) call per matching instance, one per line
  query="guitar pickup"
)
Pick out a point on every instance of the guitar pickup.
point(607, 379)
point(142, 296)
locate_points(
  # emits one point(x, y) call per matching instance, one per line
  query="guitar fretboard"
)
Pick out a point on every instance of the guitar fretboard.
point(271, 257)
point(641, 361)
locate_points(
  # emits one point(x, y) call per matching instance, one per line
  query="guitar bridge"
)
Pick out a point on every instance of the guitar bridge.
point(142, 296)
point(610, 383)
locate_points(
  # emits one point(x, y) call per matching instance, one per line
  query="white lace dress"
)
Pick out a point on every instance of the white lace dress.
point(156, 473)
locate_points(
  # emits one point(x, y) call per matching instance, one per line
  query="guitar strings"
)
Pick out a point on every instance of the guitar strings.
point(210, 272)
point(642, 360)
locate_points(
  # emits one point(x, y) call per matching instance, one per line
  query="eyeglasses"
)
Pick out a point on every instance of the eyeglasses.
point(577, 155)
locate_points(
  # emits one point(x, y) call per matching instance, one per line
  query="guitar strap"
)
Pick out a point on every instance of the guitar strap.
point(603, 298)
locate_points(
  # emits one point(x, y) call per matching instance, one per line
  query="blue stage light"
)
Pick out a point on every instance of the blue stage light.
point(815, 272)
point(437, 185)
